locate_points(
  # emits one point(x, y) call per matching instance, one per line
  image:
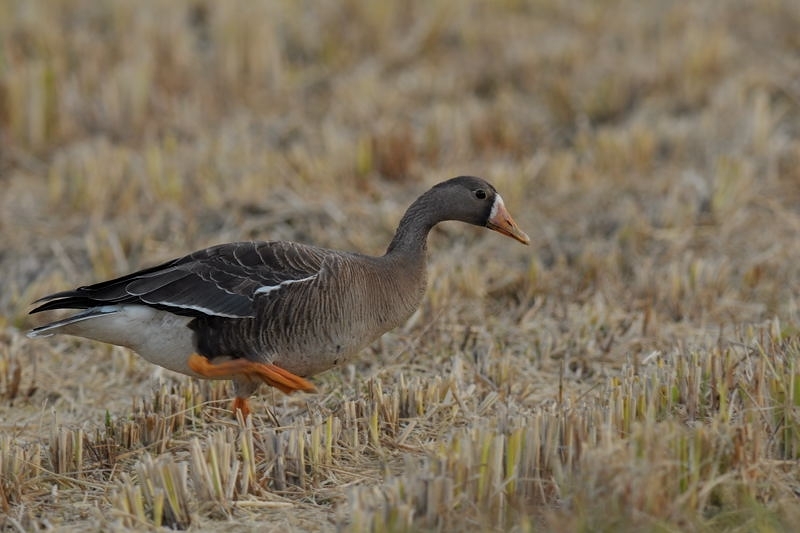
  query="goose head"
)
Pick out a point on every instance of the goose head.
point(474, 201)
point(466, 199)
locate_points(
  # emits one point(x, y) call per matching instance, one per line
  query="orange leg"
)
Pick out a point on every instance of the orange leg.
point(241, 404)
point(275, 376)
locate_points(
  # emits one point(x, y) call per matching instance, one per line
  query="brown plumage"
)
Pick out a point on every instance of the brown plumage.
point(273, 312)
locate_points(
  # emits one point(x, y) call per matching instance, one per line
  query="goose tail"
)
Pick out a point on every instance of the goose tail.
point(52, 328)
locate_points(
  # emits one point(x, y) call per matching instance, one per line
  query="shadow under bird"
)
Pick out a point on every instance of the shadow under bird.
point(273, 312)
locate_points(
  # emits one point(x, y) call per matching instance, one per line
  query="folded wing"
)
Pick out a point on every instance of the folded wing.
point(222, 281)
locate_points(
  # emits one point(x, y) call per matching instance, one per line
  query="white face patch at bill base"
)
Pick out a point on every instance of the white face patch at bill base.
point(496, 206)
point(269, 288)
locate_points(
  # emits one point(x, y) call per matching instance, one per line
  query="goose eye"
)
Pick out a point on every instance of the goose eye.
point(480, 194)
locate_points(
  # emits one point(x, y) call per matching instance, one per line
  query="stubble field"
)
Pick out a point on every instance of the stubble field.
point(635, 368)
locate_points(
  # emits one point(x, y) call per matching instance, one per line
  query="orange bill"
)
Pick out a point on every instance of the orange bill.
point(501, 222)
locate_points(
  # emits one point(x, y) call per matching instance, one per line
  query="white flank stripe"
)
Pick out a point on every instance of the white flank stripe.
point(269, 288)
point(201, 309)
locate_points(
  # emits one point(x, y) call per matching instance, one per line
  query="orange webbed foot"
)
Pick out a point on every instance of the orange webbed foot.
point(275, 376)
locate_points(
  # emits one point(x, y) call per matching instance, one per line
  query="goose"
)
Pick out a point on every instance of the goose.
point(273, 312)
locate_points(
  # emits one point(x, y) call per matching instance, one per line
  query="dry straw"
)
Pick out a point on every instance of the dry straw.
point(635, 369)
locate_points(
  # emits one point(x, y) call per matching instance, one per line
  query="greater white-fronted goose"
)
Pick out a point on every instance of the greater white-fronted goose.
point(273, 312)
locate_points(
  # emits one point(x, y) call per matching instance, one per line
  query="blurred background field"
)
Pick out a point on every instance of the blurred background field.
point(635, 368)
